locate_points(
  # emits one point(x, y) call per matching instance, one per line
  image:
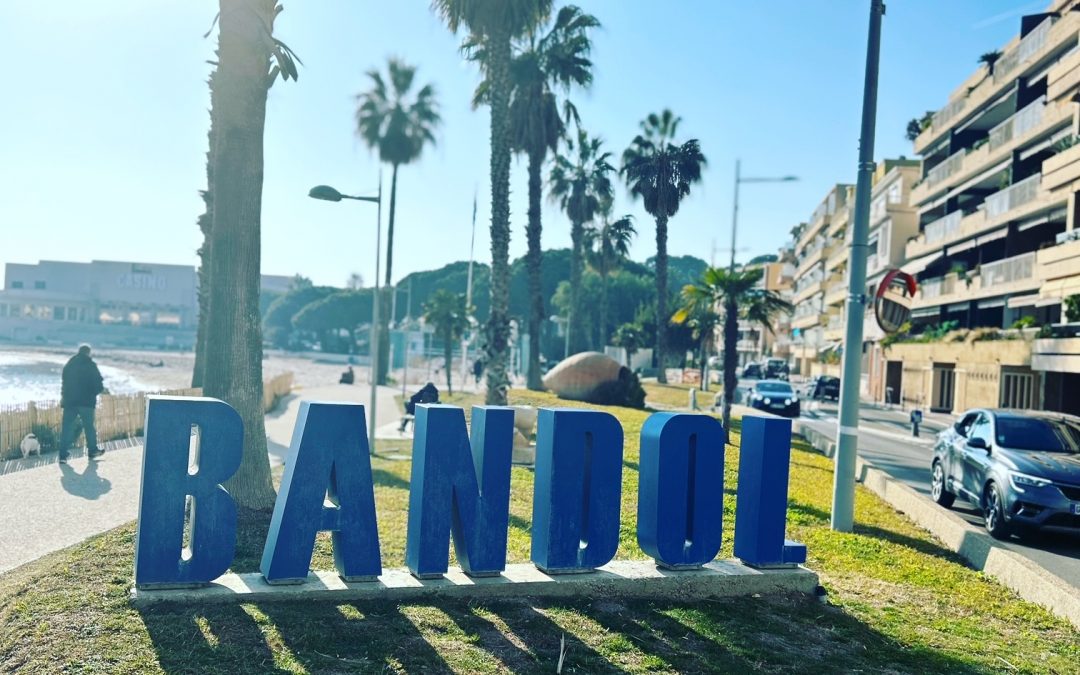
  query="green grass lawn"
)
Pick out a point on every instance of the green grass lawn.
point(898, 602)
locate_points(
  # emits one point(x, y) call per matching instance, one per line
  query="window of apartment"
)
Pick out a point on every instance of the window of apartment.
point(73, 314)
point(3, 310)
point(894, 193)
point(16, 284)
point(58, 313)
point(39, 285)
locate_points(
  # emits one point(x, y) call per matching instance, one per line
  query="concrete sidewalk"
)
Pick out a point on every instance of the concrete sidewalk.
point(48, 506)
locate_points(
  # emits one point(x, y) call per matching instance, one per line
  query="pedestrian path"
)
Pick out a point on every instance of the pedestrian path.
point(45, 506)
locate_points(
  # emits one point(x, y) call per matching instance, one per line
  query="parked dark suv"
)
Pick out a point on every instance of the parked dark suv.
point(821, 387)
point(1021, 468)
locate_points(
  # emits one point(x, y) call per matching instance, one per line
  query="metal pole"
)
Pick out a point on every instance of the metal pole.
point(735, 217)
point(467, 337)
point(843, 511)
point(375, 325)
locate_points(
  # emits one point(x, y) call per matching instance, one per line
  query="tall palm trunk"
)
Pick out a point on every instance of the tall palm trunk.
point(661, 297)
point(205, 222)
point(604, 333)
point(731, 356)
point(234, 365)
point(577, 254)
point(448, 355)
point(534, 262)
point(383, 368)
point(498, 328)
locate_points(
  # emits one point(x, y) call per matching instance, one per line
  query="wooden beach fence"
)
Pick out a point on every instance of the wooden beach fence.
point(116, 416)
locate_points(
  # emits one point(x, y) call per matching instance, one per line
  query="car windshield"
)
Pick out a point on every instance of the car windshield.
point(1037, 433)
point(774, 388)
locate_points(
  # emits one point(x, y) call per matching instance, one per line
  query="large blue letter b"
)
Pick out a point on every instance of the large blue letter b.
point(170, 476)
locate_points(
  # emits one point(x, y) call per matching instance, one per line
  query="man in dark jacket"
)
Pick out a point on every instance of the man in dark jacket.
point(81, 383)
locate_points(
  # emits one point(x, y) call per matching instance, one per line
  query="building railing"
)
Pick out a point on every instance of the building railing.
point(1013, 196)
point(951, 110)
point(1016, 268)
point(1019, 124)
point(1028, 47)
point(946, 168)
point(943, 228)
point(937, 287)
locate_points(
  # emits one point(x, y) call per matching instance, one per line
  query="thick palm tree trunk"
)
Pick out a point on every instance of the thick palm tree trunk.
point(577, 317)
point(234, 365)
point(534, 263)
point(206, 221)
point(498, 329)
point(731, 357)
point(448, 355)
point(661, 297)
point(384, 320)
point(604, 333)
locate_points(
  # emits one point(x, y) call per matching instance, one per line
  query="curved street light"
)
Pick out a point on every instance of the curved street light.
point(329, 194)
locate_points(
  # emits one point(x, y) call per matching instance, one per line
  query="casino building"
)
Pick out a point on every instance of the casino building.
point(107, 303)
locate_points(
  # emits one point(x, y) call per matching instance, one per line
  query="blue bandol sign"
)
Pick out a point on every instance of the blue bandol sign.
point(459, 492)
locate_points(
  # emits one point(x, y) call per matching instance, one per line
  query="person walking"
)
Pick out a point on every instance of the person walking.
point(80, 384)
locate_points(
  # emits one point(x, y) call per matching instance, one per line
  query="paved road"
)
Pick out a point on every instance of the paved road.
point(885, 440)
point(45, 507)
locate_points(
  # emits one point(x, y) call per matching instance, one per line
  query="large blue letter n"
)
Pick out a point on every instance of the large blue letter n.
point(459, 488)
point(193, 445)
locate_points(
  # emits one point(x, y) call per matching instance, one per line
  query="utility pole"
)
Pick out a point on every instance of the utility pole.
point(843, 506)
point(465, 339)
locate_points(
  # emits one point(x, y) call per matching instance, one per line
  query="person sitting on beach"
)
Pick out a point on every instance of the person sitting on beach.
point(348, 377)
point(80, 384)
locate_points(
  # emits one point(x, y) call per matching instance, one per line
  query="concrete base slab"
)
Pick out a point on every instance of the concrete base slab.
point(619, 578)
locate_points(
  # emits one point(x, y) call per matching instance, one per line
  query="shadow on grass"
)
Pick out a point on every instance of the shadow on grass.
point(388, 479)
point(215, 638)
point(920, 545)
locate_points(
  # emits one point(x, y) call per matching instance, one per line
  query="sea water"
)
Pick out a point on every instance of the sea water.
point(35, 376)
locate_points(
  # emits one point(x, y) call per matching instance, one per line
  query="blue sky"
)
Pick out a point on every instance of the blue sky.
point(105, 115)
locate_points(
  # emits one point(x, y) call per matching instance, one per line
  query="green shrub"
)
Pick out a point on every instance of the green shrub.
point(1024, 322)
point(1072, 308)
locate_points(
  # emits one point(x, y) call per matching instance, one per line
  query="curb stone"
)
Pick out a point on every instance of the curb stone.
point(1025, 577)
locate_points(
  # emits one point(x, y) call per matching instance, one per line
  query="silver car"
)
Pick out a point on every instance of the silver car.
point(1021, 468)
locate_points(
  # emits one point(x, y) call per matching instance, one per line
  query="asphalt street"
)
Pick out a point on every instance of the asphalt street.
point(885, 440)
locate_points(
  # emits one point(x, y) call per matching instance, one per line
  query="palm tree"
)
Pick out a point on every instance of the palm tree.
point(449, 314)
point(492, 25)
point(609, 245)
point(630, 337)
point(285, 61)
point(582, 185)
point(397, 124)
point(249, 61)
point(989, 59)
point(740, 296)
point(660, 172)
point(543, 64)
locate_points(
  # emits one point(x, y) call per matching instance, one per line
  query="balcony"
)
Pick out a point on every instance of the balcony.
point(1061, 170)
point(1019, 124)
point(836, 293)
point(806, 321)
point(978, 89)
point(875, 263)
point(1008, 271)
point(945, 169)
point(807, 290)
point(1029, 46)
point(943, 228)
point(935, 288)
point(837, 257)
point(1013, 196)
point(747, 346)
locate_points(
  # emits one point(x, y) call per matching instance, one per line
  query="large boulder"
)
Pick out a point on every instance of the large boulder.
point(578, 376)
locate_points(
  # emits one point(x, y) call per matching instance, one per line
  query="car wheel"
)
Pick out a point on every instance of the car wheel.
point(938, 491)
point(994, 514)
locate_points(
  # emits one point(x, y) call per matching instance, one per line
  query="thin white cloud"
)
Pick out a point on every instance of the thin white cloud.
point(1003, 16)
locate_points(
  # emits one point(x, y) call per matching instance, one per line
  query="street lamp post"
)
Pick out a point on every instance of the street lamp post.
point(329, 194)
point(739, 180)
point(847, 439)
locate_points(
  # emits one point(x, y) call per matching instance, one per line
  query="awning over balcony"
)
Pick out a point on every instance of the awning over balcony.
point(919, 264)
point(1023, 300)
point(1060, 288)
